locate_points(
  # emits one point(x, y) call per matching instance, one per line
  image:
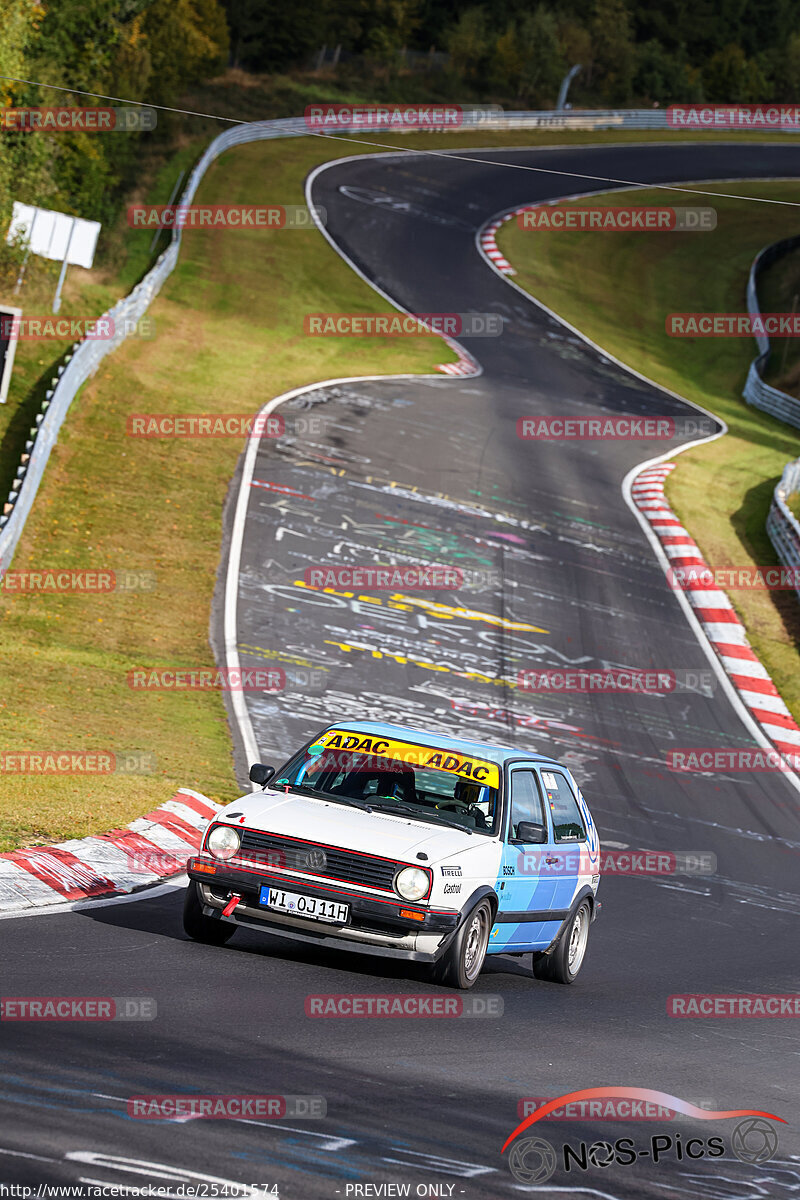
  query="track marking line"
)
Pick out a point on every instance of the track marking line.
point(21, 1154)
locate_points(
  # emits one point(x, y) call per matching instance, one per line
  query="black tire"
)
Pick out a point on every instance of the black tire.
point(461, 963)
point(564, 961)
point(200, 927)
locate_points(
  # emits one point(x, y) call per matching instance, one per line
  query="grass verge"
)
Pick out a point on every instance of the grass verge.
point(618, 289)
point(229, 336)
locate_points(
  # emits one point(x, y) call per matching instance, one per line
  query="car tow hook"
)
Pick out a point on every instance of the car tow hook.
point(231, 905)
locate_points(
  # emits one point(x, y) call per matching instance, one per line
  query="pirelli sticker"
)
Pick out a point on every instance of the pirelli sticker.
point(476, 770)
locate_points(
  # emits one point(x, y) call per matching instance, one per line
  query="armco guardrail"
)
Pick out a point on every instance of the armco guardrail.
point(756, 391)
point(782, 526)
point(87, 355)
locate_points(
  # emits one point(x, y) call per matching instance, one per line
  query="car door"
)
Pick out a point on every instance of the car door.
point(567, 848)
point(530, 892)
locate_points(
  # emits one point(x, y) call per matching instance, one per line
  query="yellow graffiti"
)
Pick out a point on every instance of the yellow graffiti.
point(445, 612)
point(497, 680)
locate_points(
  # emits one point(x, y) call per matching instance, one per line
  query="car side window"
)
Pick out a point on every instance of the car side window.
point(526, 803)
point(567, 821)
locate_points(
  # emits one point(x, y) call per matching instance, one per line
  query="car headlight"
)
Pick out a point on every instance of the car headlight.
point(412, 883)
point(223, 842)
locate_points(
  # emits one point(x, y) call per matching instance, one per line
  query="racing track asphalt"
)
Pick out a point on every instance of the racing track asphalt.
point(431, 470)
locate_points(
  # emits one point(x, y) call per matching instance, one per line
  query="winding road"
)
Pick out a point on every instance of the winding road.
point(558, 573)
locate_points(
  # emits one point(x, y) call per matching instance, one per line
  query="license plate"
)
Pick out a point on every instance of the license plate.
point(305, 906)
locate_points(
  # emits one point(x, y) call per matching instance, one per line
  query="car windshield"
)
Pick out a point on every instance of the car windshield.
point(418, 782)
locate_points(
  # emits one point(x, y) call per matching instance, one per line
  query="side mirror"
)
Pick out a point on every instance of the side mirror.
point(531, 832)
point(261, 773)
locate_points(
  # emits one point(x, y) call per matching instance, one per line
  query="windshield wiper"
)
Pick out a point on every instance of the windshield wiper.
point(421, 814)
point(319, 794)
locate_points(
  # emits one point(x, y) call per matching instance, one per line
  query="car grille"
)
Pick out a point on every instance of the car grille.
point(313, 858)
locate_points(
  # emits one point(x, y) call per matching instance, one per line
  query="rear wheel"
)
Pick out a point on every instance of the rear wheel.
point(200, 927)
point(461, 964)
point(564, 962)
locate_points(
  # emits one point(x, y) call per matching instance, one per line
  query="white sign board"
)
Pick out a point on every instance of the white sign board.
point(51, 234)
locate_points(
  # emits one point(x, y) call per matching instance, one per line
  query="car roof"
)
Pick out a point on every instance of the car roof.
point(442, 741)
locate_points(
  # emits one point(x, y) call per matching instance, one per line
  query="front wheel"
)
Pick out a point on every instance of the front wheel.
point(200, 927)
point(564, 962)
point(462, 962)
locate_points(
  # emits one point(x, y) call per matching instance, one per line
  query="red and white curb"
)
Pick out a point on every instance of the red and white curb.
point(465, 365)
point(715, 612)
point(107, 864)
point(488, 243)
point(487, 239)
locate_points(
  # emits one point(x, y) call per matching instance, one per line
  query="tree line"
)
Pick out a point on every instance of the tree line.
point(128, 48)
point(504, 51)
point(516, 53)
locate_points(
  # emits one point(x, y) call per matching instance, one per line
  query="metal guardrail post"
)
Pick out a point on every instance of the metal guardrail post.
point(783, 527)
point(565, 82)
point(756, 392)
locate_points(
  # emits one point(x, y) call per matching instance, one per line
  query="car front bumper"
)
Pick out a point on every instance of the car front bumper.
point(375, 925)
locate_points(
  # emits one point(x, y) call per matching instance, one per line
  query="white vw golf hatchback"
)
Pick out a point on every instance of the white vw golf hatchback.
point(401, 842)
